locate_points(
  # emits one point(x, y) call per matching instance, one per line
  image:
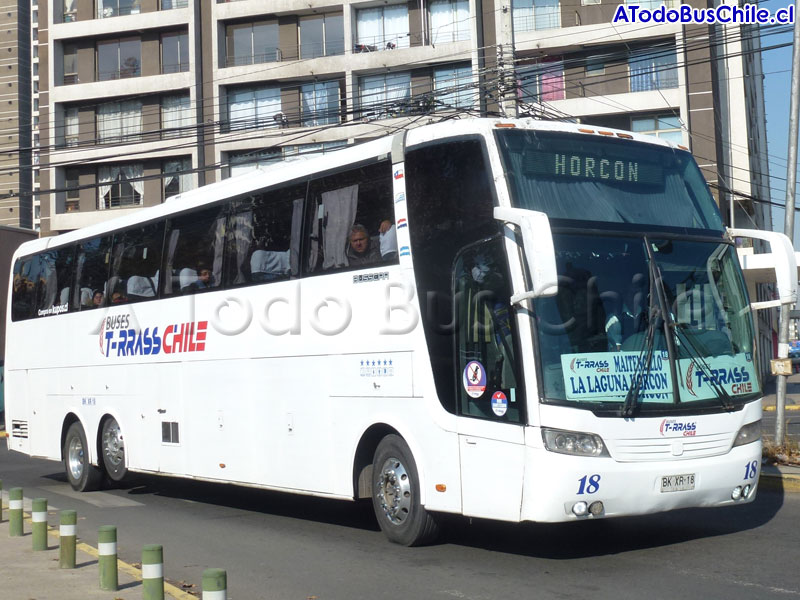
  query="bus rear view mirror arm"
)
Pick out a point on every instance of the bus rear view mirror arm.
point(785, 264)
point(537, 241)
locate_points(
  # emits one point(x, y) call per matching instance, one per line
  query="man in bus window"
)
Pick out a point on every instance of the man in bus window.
point(362, 250)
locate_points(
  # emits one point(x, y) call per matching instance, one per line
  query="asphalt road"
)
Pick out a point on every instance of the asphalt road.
point(284, 547)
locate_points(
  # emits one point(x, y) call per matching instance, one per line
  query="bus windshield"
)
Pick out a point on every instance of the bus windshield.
point(606, 181)
point(619, 299)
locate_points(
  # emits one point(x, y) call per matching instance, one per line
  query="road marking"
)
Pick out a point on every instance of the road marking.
point(98, 499)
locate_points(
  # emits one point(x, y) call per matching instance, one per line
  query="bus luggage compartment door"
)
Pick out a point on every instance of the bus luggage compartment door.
point(492, 467)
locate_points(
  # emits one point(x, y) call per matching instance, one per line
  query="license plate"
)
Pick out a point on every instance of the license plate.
point(677, 483)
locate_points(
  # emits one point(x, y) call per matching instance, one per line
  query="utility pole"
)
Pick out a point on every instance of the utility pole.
point(788, 227)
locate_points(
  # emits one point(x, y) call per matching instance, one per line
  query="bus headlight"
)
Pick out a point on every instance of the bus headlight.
point(748, 434)
point(575, 443)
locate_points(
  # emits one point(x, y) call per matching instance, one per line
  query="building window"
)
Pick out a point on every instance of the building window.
point(119, 121)
point(652, 4)
point(543, 82)
point(174, 52)
point(70, 64)
point(653, 69)
point(449, 21)
point(254, 107)
point(321, 35)
point(176, 116)
point(116, 8)
point(244, 162)
point(120, 186)
point(534, 15)
point(666, 127)
point(595, 66)
point(70, 11)
point(73, 193)
point(119, 59)
point(454, 87)
point(320, 103)
point(382, 96)
point(382, 28)
point(71, 127)
point(252, 43)
point(170, 4)
point(178, 176)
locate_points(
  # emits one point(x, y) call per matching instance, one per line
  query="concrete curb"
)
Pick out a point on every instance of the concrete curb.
point(789, 407)
point(779, 482)
point(134, 572)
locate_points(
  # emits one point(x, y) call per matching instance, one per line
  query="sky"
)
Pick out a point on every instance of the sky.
point(777, 66)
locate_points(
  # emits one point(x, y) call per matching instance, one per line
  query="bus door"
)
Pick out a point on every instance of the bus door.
point(489, 392)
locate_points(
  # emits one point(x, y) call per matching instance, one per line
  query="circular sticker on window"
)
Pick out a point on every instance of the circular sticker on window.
point(475, 379)
point(499, 403)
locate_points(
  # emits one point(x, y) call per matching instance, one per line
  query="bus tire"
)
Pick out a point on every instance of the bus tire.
point(396, 495)
point(81, 474)
point(112, 447)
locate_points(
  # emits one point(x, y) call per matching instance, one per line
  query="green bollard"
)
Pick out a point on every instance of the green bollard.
point(107, 557)
point(67, 536)
point(153, 572)
point(39, 524)
point(215, 584)
point(15, 512)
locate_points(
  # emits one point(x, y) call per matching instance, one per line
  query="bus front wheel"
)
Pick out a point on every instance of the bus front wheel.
point(396, 497)
point(81, 474)
point(113, 450)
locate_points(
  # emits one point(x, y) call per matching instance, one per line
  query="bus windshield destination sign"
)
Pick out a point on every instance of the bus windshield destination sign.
point(593, 167)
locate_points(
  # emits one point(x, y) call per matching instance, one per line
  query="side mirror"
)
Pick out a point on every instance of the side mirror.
point(781, 257)
point(537, 242)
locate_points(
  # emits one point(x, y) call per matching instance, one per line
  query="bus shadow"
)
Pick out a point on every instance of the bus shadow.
point(565, 541)
point(560, 541)
point(356, 515)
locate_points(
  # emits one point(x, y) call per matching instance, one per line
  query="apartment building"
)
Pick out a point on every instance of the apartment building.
point(18, 116)
point(143, 99)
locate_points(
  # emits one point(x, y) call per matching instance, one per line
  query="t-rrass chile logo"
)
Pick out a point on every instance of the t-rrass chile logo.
point(117, 338)
point(673, 426)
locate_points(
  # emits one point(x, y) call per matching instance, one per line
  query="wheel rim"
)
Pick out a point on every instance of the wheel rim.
point(394, 491)
point(113, 446)
point(75, 458)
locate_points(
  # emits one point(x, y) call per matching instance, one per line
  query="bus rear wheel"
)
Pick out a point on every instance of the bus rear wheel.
point(81, 474)
point(396, 495)
point(112, 447)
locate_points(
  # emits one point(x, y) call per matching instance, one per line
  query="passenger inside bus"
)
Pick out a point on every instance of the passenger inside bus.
point(361, 248)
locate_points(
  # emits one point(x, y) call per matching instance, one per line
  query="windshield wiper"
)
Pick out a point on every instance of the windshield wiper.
point(643, 367)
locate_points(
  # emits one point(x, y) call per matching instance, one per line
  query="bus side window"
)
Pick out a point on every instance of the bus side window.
point(359, 196)
point(450, 203)
point(194, 242)
point(263, 241)
point(92, 271)
point(136, 264)
point(23, 294)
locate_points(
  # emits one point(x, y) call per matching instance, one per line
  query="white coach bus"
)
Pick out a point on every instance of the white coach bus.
point(535, 322)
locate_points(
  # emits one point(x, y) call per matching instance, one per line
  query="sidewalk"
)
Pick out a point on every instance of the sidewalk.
point(29, 575)
point(769, 400)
